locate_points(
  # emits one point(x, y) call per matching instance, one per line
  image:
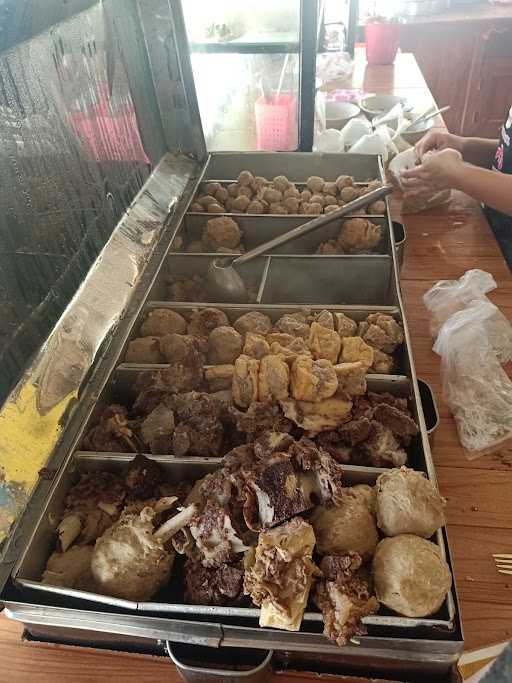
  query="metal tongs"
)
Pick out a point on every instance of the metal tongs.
point(226, 283)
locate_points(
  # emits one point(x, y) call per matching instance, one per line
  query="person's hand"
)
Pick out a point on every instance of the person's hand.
point(438, 171)
point(436, 142)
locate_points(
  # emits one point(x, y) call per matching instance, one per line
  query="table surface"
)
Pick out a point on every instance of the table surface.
point(442, 243)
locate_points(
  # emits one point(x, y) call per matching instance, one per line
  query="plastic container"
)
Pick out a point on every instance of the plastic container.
point(382, 42)
point(276, 123)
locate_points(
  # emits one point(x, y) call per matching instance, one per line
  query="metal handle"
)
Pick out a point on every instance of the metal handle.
point(308, 227)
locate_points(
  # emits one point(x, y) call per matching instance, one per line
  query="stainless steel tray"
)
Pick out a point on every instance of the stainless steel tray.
point(33, 561)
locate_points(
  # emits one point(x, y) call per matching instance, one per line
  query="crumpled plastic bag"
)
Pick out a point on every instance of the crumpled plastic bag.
point(475, 386)
point(334, 66)
point(414, 202)
point(447, 297)
point(354, 130)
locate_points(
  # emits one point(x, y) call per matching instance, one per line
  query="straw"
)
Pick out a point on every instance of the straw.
point(281, 78)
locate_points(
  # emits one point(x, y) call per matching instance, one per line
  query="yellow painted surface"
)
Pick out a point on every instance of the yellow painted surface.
point(27, 439)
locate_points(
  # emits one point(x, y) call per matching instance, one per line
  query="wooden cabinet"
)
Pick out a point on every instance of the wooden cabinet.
point(468, 65)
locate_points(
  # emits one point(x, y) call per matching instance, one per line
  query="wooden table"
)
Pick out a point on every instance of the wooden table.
point(442, 243)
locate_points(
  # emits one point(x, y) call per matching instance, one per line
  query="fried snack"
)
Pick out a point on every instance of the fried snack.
point(254, 321)
point(382, 332)
point(224, 345)
point(113, 433)
point(255, 346)
point(351, 378)
point(312, 209)
point(202, 322)
point(315, 184)
point(411, 576)
point(407, 503)
point(329, 208)
point(219, 377)
point(221, 232)
point(143, 350)
point(344, 326)
point(214, 207)
point(245, 178)
point(348, 526)
point(382, 447)
point(279, 573)
point(162, 321)
point(318, 416)
point(344, 181)
point(312, 380)
point(382, 363)
point(256, 207)
point(344, 598)
point(213, 188)
point(324, 343)
point(354, 350)
point(183, 348)
point(348, 194)
point(330, 189)
point(294, 324)
point(324, 318)
point(157, 430)
point(70, 569)
point(245, 381)
point(188, 289)
point(214, 534)
point(131, 560)
point(273, 378)
point(359, 236)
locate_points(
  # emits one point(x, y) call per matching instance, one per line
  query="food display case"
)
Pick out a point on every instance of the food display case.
point(82, 368)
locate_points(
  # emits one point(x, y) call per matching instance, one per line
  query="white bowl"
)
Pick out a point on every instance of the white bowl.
point(338, 114)
point(414, 134)
point(376, 105)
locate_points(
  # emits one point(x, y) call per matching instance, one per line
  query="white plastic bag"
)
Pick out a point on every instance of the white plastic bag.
point(328, 140)
point(475, 386)
point(354, 131)
point(370, 144)
point(414, 202)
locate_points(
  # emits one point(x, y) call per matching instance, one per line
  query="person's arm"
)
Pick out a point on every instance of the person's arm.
point(477, 151)
point(447, 170)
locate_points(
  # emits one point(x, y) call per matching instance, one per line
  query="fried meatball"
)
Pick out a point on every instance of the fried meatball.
point(182, 348)
point(344, 181)
point(330, 208)
point(272, 196)
point(143, 350)
point(215, 208)
point(196, 207)
point(277, 209)
point(162, 321)
point(241, 203)
point(246, 191)
point(206, 201)
point(259, 183)
point(202, 322)
point(219, 377)
point(349, 526)
point(281, 183)
point(313, 209)
point(245, 178)
point(410, 575)
point(222, 232)
point(318, 199)
point(222, 195)
point(348, 194)
point(407, 503)
point(256, 207)
point(315, 184)
point(292, 192)
point(254, 321)
point(294, 324)
point(359, 235)
point(291, 204)
point(233, 189)
point(224, 345)
point(212, 188)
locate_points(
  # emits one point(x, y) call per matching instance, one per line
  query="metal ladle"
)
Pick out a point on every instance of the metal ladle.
point(227, 285)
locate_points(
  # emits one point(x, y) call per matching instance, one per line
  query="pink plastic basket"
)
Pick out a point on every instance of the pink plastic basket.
point(276, 123)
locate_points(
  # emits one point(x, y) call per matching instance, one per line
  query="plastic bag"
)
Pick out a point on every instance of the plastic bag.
point(334, 66)
point(475, 386)
point(414, 202)
point(328, 140)
point(354, 131)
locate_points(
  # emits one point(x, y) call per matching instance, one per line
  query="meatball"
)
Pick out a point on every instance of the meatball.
point(202, 322)
point(344, 181)
point(162, 321)
point(349, 526)
point(259, 183)
point(182, 348)
point(315, 184)
point(206, 201)
point(291, 192)
point(291, 204)
point(313, 209)
point(281, 183)
point(410, 575)
point(348, 194)
point(330, 189)
point(277, 209)
point(196, 207)
point(272, 196)
point(143, 350)
point(222, 195)
point(212, 188)
point(318, 199)
point(407, 503)
point(224, 345)
point(215, 208)
point(241, 203)
point(330, 208)
point(305, 196)
point(246, 191)
point(233, 189)
point(256, 207)
point(222, 232)
point(245, 178)
point(253, 322)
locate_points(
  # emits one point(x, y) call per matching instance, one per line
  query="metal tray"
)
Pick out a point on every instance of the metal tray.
point(258, 229)
point(33, 561)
